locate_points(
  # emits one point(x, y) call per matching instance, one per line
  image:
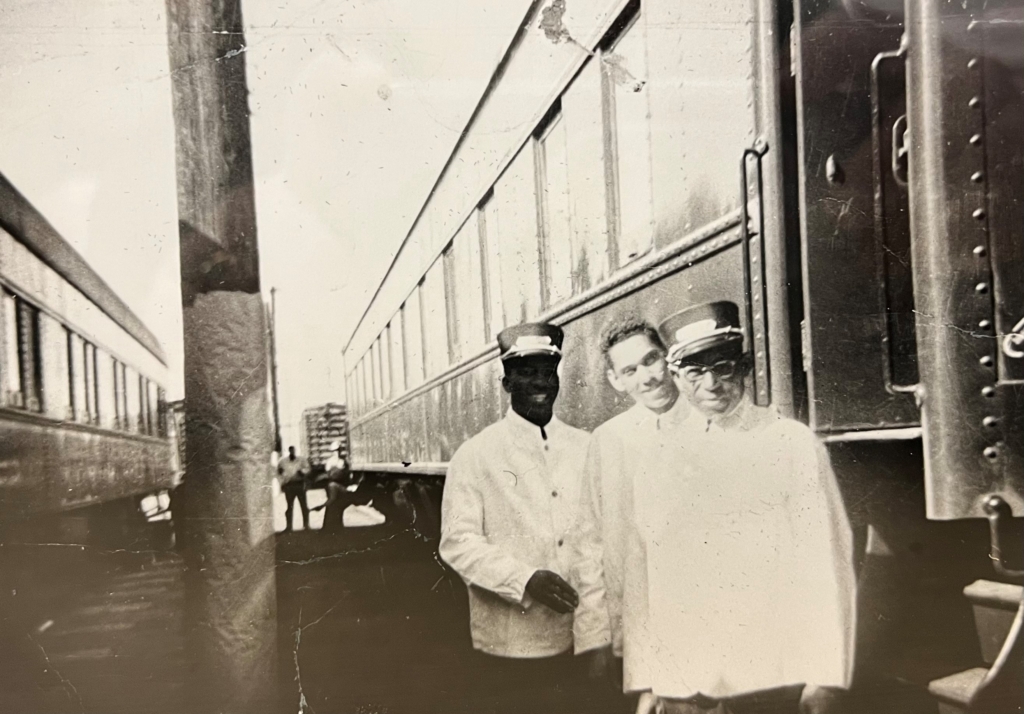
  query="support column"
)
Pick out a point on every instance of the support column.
point(225, 506)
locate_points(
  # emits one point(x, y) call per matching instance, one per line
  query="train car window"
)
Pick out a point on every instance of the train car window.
point(384, 349)
point(435, 320)
point(131, 397)
point(154, 409)
point(490, 266)
point(53, 369)
point(126, 425)
point(624, 61)
point(90, 361)
point(466, 291)
point(144, 424)
point(585, 174)
point(74, 370)
point(515, 203)
point(395, 334)
point(450, 306)
point(10, 374)
point(375, 373)
point(556, 225)
point(368, 374)
point(82, 377)
point(161, 412)
point(29, 356)
point(120, 418)
point(413, 323)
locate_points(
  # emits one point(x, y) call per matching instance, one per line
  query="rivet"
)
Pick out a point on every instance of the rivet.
point(979, 250)
point(972, 63)
point(975, 101)
point(977, 176)
point(975, 140)
point(985, 324)
point(989, 421)
point(978, 213)
point(988, 391)
point(981, 288)
point(986, 361)
point(991, 452)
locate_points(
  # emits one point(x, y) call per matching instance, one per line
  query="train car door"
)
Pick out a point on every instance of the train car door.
point(858, 330)
point(966, 120)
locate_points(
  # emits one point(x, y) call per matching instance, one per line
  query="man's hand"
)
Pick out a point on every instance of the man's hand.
point(649, 704)
point(821, 700)
point(600, 663)
point(549, 589)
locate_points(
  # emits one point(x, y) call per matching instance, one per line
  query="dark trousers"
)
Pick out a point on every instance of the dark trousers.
point(543, 685)
point(295, 490)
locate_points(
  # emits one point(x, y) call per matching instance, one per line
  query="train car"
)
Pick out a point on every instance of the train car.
point(82, 418)
point(850, 173)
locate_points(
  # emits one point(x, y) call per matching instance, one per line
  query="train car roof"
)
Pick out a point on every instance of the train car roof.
point(29, 227)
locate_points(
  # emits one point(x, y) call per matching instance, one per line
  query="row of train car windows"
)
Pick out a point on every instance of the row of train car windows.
point(47, 368)
point(554, 225)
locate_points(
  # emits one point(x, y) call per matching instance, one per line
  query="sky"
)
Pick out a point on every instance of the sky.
point(355, 108)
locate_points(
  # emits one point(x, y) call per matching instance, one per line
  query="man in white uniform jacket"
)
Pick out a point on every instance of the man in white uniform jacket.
point(510, 498)
point(636, 368)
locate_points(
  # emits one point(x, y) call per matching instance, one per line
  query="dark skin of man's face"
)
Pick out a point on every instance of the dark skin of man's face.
point(532, 385)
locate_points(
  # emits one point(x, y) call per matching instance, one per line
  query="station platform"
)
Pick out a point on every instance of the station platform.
point(369, 620)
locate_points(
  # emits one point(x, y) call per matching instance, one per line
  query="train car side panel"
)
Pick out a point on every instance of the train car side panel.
point(47, 467)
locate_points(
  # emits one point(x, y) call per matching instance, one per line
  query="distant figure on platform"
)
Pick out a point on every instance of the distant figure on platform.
point(293, 471)
point(509, 500)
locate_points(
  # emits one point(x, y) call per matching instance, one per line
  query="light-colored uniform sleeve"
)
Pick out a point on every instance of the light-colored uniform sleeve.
point(591, 625)
point(464, 545)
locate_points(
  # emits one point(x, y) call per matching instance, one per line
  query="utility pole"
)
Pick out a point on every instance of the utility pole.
point(273, 369)
point(226, 511)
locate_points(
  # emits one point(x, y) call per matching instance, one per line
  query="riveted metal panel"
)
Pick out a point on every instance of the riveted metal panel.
point(964, 109)
point(846, 311)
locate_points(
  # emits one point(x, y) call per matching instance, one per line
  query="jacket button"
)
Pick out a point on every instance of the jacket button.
point(560, 541)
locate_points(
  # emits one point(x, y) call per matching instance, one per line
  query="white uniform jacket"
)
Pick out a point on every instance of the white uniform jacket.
point(748, 558)
point(619, 452)
point(510, 498)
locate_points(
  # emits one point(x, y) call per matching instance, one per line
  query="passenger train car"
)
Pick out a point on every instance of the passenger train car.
point(852, 174)
point(81, 379)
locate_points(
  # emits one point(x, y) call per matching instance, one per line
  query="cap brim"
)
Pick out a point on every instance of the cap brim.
point(530, 353)
point(725, 338)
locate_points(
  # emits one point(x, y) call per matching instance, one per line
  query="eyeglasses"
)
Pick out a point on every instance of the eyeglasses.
point(695, 372)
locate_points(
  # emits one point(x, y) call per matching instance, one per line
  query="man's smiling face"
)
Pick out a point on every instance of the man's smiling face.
point(532, 384)
point(638, 368)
